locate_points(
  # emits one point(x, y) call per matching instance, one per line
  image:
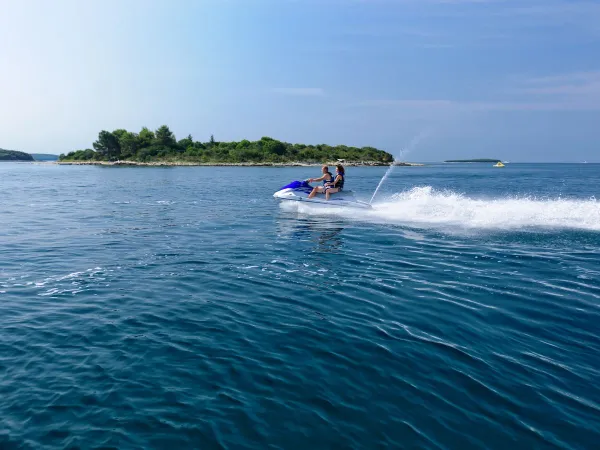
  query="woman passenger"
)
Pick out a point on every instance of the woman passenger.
point(338, 182)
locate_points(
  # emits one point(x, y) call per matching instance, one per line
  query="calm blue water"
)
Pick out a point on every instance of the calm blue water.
point(185, 308)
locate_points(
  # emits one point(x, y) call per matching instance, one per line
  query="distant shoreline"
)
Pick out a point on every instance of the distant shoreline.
point(478, 160)
point(225, 164)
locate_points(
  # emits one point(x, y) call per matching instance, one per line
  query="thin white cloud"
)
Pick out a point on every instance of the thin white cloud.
point(450, 2)
point(436, 107)
point(565, 77)
point(580, 16)
point(508, 19)
point(416, 104)
point(305, 92)
point(571, 84)
point(557, 8)
point(576, 91)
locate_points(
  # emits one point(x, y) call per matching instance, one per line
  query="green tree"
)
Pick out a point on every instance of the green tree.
point(129, 144)
point(119, 133)
point(185, 143)
point(146, 138)
point(243, 144)
point(107, 145)
point(165, 137)
point(274, 147)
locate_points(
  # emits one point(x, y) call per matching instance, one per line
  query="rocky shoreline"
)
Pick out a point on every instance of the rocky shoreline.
point(215, 164)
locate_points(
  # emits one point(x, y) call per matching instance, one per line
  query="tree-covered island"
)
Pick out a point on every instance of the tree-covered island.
point(14, 155)
point(160, 146)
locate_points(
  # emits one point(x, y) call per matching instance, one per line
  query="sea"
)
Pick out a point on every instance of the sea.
point(184, 307)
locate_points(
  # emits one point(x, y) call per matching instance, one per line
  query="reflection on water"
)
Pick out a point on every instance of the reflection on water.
point(329, 241)
point(324, 232)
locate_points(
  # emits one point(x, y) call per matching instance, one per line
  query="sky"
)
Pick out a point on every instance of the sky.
point(425, 80)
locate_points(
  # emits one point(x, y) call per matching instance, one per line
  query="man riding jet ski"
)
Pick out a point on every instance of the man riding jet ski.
point(302, 191)
point(333, 185)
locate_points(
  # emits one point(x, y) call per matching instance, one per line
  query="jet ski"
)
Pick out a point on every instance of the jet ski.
point(298, 191)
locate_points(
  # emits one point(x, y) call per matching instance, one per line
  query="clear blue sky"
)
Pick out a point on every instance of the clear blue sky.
point(514, 79)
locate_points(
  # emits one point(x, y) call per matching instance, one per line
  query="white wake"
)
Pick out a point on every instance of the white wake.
point(424, 206)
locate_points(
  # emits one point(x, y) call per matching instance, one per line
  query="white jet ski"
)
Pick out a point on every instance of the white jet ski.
point(298, 191)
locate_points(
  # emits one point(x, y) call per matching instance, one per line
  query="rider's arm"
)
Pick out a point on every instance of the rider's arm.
point(310, 180)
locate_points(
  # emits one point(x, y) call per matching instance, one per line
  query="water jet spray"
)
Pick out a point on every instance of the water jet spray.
point(397, 159)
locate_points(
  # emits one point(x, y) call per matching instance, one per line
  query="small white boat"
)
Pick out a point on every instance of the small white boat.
point(298, 191)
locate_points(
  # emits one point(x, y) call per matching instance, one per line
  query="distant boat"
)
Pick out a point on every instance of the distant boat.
point(499, 164)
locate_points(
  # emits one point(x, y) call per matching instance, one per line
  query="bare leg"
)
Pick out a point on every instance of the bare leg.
point(330, 191)
point(315, 191)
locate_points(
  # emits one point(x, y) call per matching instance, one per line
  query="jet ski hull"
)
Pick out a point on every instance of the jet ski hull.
point(300, 194)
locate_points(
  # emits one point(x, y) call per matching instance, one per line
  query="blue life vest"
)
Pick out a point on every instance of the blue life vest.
point(328, 181)
point(340, 183)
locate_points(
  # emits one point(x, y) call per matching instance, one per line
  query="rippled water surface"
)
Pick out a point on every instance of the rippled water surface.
point(185, 308)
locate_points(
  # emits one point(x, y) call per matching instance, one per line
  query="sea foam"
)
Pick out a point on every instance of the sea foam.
point(425, 206)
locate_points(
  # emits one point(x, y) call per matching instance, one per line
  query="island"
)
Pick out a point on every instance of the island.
point(407, 164)
point(14, 155)
point(160, 147)
point(479, 160)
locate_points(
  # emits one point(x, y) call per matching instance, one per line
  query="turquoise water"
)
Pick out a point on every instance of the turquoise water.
point(185, 308)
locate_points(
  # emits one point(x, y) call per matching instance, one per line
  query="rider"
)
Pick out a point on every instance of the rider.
point(326, 178)
point(338, 182)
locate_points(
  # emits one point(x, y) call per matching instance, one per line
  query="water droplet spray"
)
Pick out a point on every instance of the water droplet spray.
point(403, 152)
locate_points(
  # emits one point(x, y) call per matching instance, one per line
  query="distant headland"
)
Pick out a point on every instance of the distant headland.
point(478, 160)
point(160, 147)
point(14, 155)
point(17, 156)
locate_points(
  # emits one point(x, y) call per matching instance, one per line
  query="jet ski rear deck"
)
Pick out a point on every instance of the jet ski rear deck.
point(299, 191)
